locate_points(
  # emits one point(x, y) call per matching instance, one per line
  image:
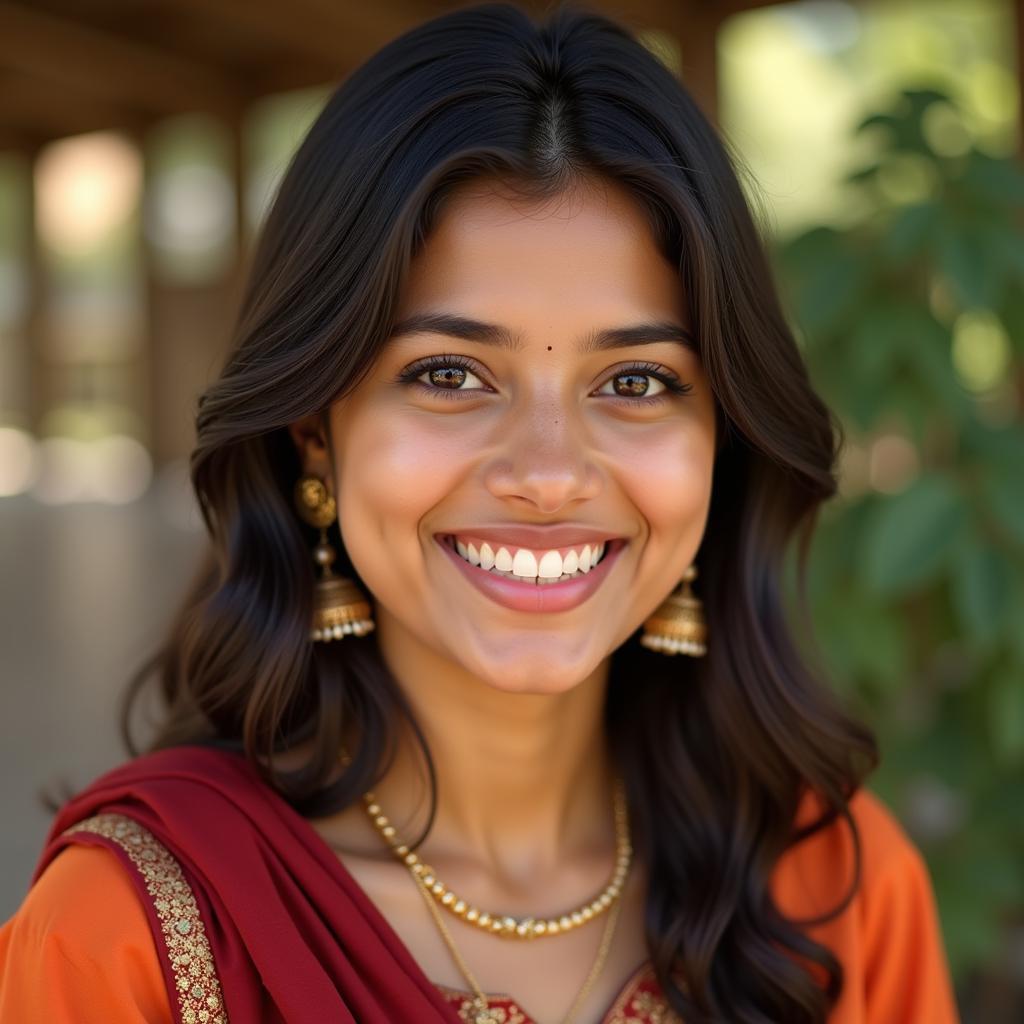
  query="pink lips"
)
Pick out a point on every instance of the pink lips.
point(535, 597)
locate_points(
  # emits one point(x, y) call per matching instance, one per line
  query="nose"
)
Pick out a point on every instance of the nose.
point(544, 460)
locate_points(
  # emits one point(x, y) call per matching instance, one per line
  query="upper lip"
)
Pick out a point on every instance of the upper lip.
point(538, 538)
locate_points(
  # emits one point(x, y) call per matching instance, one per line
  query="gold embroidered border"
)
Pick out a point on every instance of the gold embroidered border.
point(195, 975)
point(467, 1011)
point(638, 1006)
point(633, 1005)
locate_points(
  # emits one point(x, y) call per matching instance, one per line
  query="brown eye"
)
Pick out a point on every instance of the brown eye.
point(443, 376)
point(635, 385)
point(447, 376)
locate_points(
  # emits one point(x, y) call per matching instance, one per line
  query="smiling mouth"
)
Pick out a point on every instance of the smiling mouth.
point(606, 548)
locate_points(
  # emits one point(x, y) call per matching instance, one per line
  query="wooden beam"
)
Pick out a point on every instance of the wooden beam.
point(20, 140)
point(361, 29)
point(291, 75)
point(347, 35)
point(48, 111)
point(279, 26)
point(101, 63)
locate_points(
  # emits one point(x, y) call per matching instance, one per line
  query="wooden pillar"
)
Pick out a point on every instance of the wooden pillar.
point(36, 334)
point(239, 171)
point(150, 402)
point(240, 180)
point(190, 325)
point(697, 34)
point(15, 348)
point(693, 25)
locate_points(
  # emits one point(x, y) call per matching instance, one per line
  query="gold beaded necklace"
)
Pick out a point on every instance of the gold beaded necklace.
point(483, 1012)
point(503, 924)
point(435, 894)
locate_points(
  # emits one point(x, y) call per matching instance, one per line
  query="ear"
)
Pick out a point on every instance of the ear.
point(310, 435)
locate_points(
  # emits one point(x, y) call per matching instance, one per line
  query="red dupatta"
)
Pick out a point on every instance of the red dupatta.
point(256, 919)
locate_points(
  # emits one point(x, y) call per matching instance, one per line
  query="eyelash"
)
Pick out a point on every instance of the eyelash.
point(410, 375)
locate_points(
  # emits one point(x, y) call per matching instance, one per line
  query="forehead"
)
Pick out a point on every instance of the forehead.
point(588, 252)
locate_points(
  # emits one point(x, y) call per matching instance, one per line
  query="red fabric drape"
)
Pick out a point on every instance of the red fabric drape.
point(293, 935)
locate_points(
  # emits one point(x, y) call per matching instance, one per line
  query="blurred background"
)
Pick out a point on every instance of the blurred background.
point(880, 144)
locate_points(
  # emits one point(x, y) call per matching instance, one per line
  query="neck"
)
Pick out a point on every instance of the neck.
point(520, 776)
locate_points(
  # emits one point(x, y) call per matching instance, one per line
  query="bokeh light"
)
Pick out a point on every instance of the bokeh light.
point(18, 461)
point(981, 350)
point(87, 186)
point(892, 464)
point(114, 469)
point(191, 209)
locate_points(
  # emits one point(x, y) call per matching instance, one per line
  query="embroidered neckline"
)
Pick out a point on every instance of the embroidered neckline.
point(641, 970)
point(187, 948)
point(638, 1001)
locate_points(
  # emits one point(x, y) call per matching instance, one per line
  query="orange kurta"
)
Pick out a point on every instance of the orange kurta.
point(80, 949)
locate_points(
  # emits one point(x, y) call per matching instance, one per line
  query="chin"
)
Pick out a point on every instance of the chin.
point(523, 679)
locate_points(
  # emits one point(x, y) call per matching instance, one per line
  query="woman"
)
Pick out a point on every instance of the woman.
point(511, 372)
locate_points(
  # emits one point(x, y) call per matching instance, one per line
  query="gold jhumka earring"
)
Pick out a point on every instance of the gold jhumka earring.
point(678, 626)
point(340, 608)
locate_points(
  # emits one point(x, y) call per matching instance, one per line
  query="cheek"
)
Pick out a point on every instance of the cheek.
point(392, 469)
point(668, 479)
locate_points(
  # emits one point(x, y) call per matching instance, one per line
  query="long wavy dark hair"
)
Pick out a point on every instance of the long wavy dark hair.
point(717, 751)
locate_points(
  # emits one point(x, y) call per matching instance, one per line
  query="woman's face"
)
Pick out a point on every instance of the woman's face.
point(498, 444)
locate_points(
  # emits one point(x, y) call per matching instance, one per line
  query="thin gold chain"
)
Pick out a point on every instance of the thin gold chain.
point(506, 925)
point(482, 1007)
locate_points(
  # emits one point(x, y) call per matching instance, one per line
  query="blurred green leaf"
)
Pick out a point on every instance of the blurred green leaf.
point(826, 278)
point(1006, 715)
point(964, 258)
point(883, 663)
point(903, 129)
point(912, 534)
point(862, 174)
point(1004, 492)
point(887, 121)
point(1006, 249)
point(911, 231)
point(975, 880)
point(994, 180)
point(981, 591)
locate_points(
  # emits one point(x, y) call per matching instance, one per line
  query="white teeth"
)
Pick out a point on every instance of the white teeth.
point(486, 556)
point(524, 564)
point(550, 567)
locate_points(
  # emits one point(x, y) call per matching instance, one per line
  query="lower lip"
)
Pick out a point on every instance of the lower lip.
point(535, 597)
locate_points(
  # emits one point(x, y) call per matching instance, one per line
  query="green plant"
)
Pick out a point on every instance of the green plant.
point(912, 322)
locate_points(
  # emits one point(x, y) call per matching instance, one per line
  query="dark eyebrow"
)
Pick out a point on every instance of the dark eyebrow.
point(494, 334)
